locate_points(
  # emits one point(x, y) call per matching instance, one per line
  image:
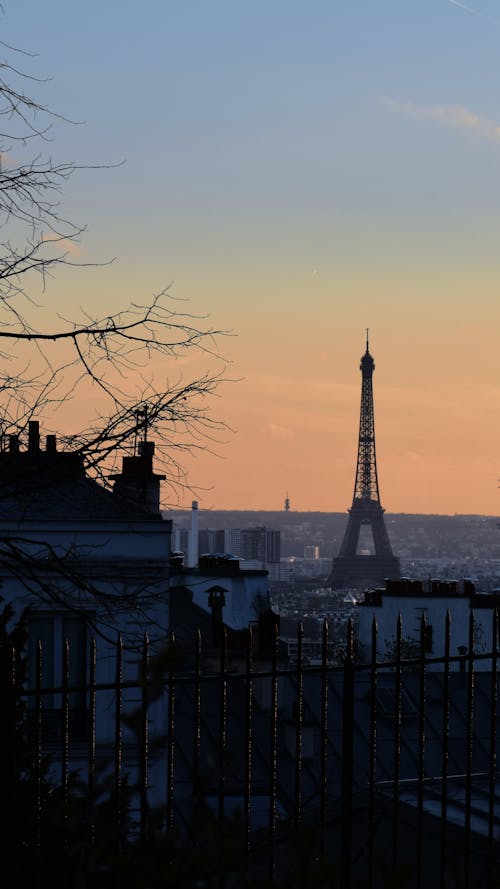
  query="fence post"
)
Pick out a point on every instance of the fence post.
point(273, 753)
point(421, 755)
point(469, 740)
point(9, 825)
point(445, 731)
point(347, 760)
point(171, 738)
point(323, 787)
point(144, 741)
point(493, 744)
point(221, 790)
point(373, 753)
point(397, 742)
point(299, 717)
point(249, 740)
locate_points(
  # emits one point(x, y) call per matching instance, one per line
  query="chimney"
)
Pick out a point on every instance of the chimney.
point(137, 483)
point(51, 444)
point(33, 436)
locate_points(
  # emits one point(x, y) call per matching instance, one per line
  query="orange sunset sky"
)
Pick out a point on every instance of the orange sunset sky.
point(299, 172)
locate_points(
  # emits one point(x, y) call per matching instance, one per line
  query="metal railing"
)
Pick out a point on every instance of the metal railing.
point(381, 770)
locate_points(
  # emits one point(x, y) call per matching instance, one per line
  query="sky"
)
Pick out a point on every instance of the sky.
point(299, 172)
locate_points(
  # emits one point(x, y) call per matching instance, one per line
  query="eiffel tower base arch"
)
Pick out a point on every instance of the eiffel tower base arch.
point(351, 569)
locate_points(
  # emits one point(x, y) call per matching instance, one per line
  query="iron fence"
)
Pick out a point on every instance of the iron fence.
point(350, 773)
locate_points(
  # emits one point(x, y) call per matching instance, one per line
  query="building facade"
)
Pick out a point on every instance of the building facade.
point(423, 606)
point(82, 562)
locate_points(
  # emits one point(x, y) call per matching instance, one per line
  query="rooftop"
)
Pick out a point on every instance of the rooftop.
point(52, 485)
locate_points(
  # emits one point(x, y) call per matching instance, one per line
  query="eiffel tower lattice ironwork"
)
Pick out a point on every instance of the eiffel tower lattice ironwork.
point(351, 569)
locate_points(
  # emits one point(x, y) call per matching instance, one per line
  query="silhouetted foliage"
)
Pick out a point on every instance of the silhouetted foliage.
point(124, 359)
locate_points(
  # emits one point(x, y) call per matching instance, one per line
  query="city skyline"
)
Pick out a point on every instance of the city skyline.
point(298, 174)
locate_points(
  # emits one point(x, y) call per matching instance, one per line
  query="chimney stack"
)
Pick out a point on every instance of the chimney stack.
point(33, 436)
point(137, 483)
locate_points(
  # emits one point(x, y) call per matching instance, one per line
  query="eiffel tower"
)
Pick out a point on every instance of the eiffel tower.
point(350, 569)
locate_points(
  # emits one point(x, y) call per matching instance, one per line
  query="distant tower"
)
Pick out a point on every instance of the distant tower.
point(192, 553)
point(351, 569)
point(287, 503)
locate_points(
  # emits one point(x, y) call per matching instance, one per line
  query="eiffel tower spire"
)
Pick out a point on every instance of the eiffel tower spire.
point(350, 568)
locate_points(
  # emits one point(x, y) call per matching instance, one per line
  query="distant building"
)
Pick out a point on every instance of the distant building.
point(232, 539)
point(260, 545)
point(256, 543)
point(212, 541)
point(311, 552)
point(415, 599)
point(219, 592)
point(180, 540)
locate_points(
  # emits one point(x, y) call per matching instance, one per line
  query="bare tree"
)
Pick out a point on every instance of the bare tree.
point(45, 358)
point(127, 360)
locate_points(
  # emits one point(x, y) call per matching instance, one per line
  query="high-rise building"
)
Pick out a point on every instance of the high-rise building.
point(257, 544)
point(233, 541)
point(211, 541)
point(260, 544)
point(180, 540)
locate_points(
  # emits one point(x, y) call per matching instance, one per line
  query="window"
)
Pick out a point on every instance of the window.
point(48, 633)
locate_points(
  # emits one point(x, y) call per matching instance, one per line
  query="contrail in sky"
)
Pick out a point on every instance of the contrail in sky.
point(472, 11)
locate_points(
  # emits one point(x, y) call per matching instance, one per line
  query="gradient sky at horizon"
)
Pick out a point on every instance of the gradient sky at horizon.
point(300, 172)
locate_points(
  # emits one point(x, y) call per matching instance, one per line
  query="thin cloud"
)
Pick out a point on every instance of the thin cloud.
point(280, 431)
point(66, 244)
point(447, 115)
point(476, 12)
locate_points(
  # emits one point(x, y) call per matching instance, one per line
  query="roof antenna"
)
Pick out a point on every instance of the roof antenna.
point(139, 414)
point(367, 339)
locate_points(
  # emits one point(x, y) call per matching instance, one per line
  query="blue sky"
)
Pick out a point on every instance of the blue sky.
point(288, 99)
point(301, 171)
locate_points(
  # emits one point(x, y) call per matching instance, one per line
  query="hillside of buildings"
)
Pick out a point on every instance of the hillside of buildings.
point(412, 536)
point(441, 546)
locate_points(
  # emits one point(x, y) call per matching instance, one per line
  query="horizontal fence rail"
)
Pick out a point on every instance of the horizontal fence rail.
point(365, 771)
